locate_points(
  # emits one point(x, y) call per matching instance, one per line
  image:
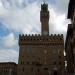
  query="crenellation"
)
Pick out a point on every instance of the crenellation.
point(53, 38)
point(51, 35)
point(37, 37)
point(22, 35)
point(25, 34)
point(55, 35)
point(29, 35)
point(58, 34)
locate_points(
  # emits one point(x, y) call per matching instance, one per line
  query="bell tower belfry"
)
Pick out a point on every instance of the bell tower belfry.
point(44, 19)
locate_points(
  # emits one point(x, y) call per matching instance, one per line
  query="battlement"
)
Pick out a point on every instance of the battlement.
point(44, 7)
point(28, 35)
point(37, 38)
point(38, 35)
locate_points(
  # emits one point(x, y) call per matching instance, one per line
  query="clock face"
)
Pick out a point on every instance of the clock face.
point(45, 32)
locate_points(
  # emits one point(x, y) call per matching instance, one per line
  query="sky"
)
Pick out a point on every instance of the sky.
point(23, 17)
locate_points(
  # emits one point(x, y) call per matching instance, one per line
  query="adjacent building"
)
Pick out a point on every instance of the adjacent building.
point(8, 68)
point(70, 39)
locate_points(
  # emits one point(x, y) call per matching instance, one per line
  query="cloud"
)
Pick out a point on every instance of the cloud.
point(57, 21)
point(9, 50)
point(27, 20)
point(9, 41)
point(7, 55)
point(21, 20)
point(62, 5)
point(23, 16)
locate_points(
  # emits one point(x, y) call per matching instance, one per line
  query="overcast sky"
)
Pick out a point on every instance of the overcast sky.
point(23, 16)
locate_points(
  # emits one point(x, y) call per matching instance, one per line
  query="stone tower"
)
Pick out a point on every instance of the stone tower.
point(44, 19)
point(41, 54)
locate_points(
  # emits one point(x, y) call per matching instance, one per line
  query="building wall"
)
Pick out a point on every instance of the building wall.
point(44, 54)
point(69, 49)
point(70, 39)
point(8, 68)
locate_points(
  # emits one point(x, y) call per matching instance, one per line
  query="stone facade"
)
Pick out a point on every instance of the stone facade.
point(8, 68)
point(44, 19)
point(70, 39)
point(40, 52)
point(69, 49)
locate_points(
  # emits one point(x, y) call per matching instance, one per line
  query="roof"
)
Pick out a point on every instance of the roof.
point(7, 63)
